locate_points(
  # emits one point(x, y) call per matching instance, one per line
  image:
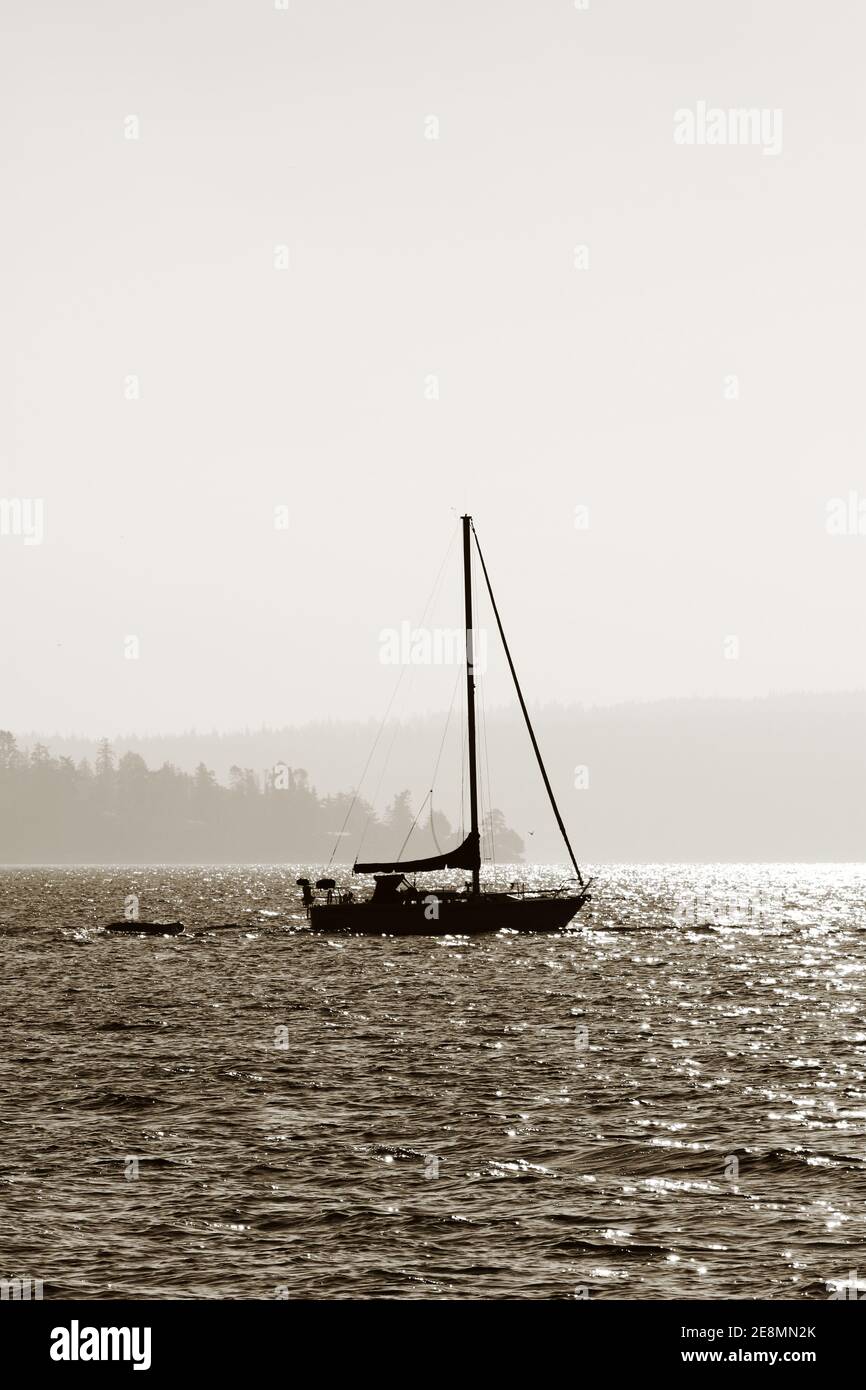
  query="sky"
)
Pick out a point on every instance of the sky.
point(288, 290)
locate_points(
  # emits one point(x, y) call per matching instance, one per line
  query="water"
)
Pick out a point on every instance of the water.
point(651, 1106)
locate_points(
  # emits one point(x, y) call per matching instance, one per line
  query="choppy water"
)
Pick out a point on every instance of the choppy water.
point(649, 1106)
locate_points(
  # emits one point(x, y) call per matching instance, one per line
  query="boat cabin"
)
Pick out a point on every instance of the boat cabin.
point(387, 888)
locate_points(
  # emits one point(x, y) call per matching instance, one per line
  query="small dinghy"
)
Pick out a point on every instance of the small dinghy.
point(145, 928)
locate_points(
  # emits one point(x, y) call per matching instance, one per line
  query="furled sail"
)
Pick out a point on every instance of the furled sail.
point(465, 856)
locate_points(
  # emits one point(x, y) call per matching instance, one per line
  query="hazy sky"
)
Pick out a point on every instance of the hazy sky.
point(607, 384)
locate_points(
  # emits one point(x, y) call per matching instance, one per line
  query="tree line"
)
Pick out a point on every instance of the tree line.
point(54, 810)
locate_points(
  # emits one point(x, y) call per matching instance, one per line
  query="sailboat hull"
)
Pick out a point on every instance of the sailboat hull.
point(457, 916)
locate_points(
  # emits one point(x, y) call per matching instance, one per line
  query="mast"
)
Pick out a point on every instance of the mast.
point(470, 705)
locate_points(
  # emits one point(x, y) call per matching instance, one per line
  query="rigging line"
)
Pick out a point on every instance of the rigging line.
point(384, 769)
point(372, 811)
point(439, 757)
point(414, 823)
point(462, 768)
point(447, 722)
point(432, 826)
point(357, 791)
point(487, 767)
point(537, 750)
point(484, 761)
point(431, 601)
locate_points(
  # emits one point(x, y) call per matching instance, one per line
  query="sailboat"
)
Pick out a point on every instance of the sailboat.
point(399, 907)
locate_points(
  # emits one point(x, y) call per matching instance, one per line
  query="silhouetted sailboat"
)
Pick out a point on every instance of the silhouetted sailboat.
point(401, 908)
